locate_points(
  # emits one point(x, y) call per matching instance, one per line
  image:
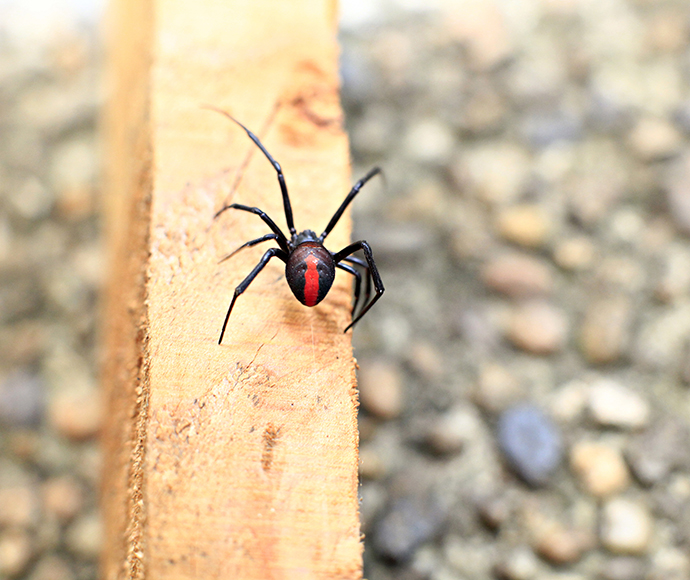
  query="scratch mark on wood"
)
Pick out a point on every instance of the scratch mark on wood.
point(270, 440)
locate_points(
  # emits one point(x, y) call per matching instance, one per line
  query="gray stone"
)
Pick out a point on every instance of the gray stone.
point(663, 447)
point(22, 399)
point(410, 521)
point(531, 443)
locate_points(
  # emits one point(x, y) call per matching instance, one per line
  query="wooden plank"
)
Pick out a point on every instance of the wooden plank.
point(240, 460)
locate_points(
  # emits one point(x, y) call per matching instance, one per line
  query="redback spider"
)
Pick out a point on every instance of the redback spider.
point(309, 266)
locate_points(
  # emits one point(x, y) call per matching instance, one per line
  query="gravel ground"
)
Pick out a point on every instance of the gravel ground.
point(525, 381)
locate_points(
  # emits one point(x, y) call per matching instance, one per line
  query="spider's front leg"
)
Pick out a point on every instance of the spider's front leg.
point(280, 236)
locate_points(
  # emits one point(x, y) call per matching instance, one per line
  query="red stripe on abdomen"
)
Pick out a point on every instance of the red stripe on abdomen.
point(311, 281)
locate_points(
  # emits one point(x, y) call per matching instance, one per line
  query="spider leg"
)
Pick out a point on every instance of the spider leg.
point(363, 264)
point(375, 276)
point(276, 166)
point(249, 279)
point(280, 236)
point(249, 244)
point(358, 283)
point(356, 260)
point(350, 196)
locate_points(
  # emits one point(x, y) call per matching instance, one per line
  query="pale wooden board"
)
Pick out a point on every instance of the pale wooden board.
point(250, 448)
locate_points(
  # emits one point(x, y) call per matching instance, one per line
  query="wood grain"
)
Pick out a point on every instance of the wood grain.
point(240, 460)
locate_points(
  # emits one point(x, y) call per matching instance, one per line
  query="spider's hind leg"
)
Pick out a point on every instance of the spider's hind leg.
point(373, 271)
point(249, 279)
point(358, 284)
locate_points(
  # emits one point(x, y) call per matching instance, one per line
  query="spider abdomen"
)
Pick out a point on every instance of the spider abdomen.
point(310, 272)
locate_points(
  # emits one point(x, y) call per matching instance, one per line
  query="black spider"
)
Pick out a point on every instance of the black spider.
point(309, 266)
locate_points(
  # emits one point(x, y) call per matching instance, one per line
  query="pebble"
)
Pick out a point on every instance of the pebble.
point(654, 138)
point(373, 132)
point(599, 180)
point(685, 365)
point(482, 28)
point(605, 332)
point(574, 253)
point(469, 236)
point(619, 274)
point(77, 414)
point(496, 510)
point(599, 467)
point(520, 564)
point(409, 522)
point(19, 506)
point(24, 444)
point(479, 324)
point(569, 401)
point(381, 388)
point(73, 164)
point(400, 242)
point(496, 388)
point(52, 567)
point(626, 526)
point(671, 562)
point(674, 282)
point(31, 199)
point(531, 443)
point(495, 172)
point(537, 79)
point(538, 327)
point(667, 30)
point(467, 558)
point(653, 454)
point(543, 129)
point(452, 430)
point(624, 568)
point(484, 111)
point(662, 337)
point(426, 360)
point(518, 275)
point(63, 497)
point(371, 465)
point(526, 225)
point(613, 405)
point(426, 202)
point(23, 299)
point(372, 497)
point(559, 545)
point(681, 116)
point(15, 552)
point(429, 141)
point(677, 187)
point(84, 536)
point(22, 399)
point(427, 561)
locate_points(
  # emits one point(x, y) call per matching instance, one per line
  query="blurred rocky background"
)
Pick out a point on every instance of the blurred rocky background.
point(525, 381)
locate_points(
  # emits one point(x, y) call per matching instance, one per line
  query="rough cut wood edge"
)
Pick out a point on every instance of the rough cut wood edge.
point(126, 204)
point(240, 460)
